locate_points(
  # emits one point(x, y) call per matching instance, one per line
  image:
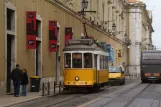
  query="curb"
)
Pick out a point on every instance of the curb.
point(34, 98)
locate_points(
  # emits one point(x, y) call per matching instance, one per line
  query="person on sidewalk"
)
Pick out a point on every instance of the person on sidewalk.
point(16, 76)
point(24, 82)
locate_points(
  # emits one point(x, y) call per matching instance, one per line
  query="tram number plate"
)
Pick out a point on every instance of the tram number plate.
point(81, 83)
point(147, 74)
point(156, 74)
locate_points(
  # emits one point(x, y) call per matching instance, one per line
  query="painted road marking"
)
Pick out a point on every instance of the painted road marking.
point(85, 104)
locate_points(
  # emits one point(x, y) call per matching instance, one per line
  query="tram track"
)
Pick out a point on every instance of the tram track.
point(72, 99)
point(133, 99)
point(114, 88)
point(117, 97)
point(64, 96)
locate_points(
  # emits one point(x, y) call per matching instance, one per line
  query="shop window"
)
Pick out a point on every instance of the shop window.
point(67, 61)
point(88, 60)
point(77, 60)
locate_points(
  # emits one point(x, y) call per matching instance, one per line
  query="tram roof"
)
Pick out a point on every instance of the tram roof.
point(93, 47)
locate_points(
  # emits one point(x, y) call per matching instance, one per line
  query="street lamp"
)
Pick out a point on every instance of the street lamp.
point(114, 27)
point(84, 4)
point(128, 42)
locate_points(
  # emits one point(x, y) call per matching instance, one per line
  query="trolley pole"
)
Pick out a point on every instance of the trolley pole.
point(84, 6)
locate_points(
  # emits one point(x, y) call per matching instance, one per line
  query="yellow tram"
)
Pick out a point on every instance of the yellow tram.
point(85, 65)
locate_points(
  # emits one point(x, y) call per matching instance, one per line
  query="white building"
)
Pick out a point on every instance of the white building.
point(139, 32)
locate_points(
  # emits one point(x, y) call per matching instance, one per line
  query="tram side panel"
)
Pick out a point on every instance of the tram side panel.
point(103, 76)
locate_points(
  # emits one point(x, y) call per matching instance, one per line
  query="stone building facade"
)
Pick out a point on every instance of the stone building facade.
point(39, 61)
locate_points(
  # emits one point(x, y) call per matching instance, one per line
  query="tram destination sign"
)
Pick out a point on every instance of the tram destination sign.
point(80, 42)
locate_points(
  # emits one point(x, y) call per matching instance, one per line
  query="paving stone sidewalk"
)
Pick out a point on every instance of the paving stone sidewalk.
point(8, 100)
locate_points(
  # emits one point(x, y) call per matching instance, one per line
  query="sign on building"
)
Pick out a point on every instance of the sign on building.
point(68, 34)
point(53, 33)
point(103, 45)
point(119, 55)
point(31, 30)
point(112, 55)
point(108, 48)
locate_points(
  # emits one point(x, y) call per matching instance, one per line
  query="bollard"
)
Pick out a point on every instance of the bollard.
point(54, 87)
point(48, 88)
point(60, 86)
point(43, 89)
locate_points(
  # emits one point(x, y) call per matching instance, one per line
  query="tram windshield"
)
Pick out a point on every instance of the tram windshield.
point(87, 60)
point(77, 60)
point(114, 69)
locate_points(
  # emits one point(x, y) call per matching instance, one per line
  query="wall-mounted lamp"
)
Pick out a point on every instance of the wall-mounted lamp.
point(114, 27)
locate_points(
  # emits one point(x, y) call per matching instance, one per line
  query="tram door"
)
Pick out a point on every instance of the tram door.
point(96, 63)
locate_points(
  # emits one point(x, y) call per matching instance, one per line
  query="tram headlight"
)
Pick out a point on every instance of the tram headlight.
point(77, 78)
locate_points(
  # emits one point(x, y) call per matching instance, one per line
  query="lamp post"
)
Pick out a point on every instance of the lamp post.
point(113, 27)
point(84, 6)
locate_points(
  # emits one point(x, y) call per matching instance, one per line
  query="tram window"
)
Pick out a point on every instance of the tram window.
point(95, 61)
point(77, 60)
point(101, 62)
point(67, 60)
point(106, 61)
point(87, 60)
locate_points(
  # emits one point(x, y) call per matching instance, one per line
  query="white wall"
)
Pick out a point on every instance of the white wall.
point(135, 34)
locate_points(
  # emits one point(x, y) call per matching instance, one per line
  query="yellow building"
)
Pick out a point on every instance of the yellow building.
point(108, 13)
point(39, 61)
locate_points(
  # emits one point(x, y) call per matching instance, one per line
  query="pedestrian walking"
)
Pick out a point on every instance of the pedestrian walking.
point(16, 77)
point(24, 82)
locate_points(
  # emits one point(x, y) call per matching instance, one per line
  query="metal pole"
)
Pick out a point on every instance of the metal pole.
point(54, 87)
point(82, 21)
point(43, 89)
point(48, 88)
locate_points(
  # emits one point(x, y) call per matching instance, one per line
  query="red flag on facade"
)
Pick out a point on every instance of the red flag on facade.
point(31, 29)
point(68, 34)
point(53, 33)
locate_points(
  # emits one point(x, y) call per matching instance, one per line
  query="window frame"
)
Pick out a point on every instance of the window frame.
point(65, 60)
point(92, 66)
point(81, 58)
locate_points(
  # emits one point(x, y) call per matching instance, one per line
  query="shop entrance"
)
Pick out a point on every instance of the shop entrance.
point(10, 61)
point(38, 58)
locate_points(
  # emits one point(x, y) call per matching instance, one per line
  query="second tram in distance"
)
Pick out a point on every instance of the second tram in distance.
point(85, 65)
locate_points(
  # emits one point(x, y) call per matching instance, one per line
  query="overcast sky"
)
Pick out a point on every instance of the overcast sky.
point(155, 6)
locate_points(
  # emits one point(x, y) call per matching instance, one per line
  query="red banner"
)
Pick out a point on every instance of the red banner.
point(31, 30)
point(68, 34)
point(53, 33)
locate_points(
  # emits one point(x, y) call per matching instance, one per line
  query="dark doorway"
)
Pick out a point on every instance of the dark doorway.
point(38, 57)
point(10, 39)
